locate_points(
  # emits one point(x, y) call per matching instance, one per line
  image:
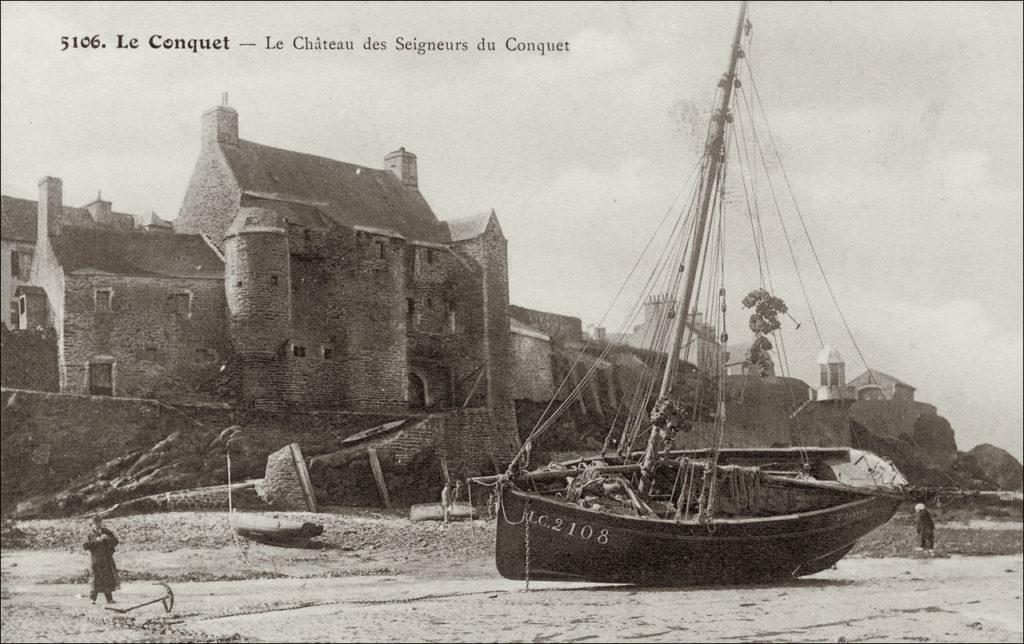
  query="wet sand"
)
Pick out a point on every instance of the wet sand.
point(919, 599)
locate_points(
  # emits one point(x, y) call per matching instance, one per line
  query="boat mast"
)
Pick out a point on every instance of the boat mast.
point(715, 154)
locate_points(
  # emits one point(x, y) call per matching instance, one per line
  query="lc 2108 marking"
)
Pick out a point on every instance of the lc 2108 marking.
point(557, 524)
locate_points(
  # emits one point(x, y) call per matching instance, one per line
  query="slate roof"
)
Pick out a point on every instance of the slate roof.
point(18, 218)
point(348, 194)
point(136, 253)
point(881, 377)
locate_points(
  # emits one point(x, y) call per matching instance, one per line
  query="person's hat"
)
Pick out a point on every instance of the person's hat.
point(919, 507)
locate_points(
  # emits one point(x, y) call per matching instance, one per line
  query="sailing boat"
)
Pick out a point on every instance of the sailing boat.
point(666, 516)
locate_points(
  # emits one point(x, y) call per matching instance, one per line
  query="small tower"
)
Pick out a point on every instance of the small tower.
point(832, 369)
point(257, 286)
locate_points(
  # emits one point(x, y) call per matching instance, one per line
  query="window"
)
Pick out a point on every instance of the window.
point(305, 235)
point(430, 303)
point(381, 252)
point(298, 351)
point(21, 305)
point(410, 311)
point(102, 299)
point(273, 280)
point(149, 353)
point(450, 316)
point(834, 376)
point(238, 284)
point(14, 263)
point(430, 256)
point(182, 304)
point(14, 313)
point(824, 375)
point(251, 221)
point(328, 353)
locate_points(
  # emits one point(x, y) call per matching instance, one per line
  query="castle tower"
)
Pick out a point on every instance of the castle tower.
point(832, 369)
point(257, 285)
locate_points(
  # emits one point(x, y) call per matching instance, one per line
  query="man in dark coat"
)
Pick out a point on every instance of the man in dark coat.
point(925, 528)
point(101, 546)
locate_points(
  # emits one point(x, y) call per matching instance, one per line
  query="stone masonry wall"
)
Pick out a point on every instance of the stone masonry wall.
point(155, 350)
point(562, 328)
point(212, 199)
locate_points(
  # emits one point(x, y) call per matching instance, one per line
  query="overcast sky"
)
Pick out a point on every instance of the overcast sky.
point(899, 126)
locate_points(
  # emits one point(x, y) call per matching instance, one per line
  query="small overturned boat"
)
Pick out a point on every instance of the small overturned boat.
point(272, 530)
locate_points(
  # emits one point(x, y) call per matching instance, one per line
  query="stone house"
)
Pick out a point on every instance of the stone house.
point(134, 314)
point(18, 228)
point(343, 288)
point(875, 385)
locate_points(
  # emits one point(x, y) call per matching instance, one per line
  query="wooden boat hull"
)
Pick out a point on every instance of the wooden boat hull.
point(570, 543)
point(272, 530)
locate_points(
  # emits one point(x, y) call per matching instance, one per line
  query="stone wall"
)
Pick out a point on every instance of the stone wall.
point(532, 376)
point(154, 349)
point(212, 198)
point(28, 359)
point(286, 485)
point(562, 328)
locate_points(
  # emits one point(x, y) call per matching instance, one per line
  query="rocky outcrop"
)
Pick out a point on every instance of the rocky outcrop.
point(999, 466)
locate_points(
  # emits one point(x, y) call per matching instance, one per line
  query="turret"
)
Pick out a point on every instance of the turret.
point(832, 370)
point(257, 281)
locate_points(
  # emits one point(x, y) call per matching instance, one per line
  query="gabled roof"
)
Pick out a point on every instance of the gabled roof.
point(155, 221)
point(136, 253)
point(348, 194)
point(469, 227)
point(18, 218)
point(879, 377)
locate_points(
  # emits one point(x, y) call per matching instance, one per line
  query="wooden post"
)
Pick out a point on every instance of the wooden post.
point(378, 474)
point(230, 509)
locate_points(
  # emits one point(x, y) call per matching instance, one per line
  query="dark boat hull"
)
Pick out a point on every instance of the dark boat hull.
point(567, 542)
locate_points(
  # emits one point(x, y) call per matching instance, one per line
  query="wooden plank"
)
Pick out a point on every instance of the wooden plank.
point(378, 475)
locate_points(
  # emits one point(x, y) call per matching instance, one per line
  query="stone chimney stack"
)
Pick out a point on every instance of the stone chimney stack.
point(220, 125)
point(100, 210)
point(403, 165)
point(50, 208)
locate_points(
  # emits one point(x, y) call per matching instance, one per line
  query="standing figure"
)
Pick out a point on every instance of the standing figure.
point(446, 500)
point(491, 505)
point(925, 528)
point(101, 546)
point(457, 496)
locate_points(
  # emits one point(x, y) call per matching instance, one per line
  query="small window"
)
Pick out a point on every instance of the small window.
point(182, 304)
point(410, 309)
point(14, 263)
point(328, 353)
point(450, 316)
point(238, 284)
point(21, 305)
point(273, 280)
point(430, 256)
point(102, 301)
point(149, 353)
point(14, 313)
point(298, 351)
point(381, 251)
point(251, 221)
point(305, 235)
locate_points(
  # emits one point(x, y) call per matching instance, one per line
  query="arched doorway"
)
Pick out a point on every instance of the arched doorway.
point(417, 390)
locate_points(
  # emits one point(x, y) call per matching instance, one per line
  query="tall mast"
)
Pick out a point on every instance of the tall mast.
point(715, 154)
point(715, 151)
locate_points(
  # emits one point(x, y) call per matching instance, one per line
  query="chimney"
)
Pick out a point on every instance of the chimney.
point(403, 165)
point(100, 210)
point(50, 208)
point(220, 125)
point(600, 334)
